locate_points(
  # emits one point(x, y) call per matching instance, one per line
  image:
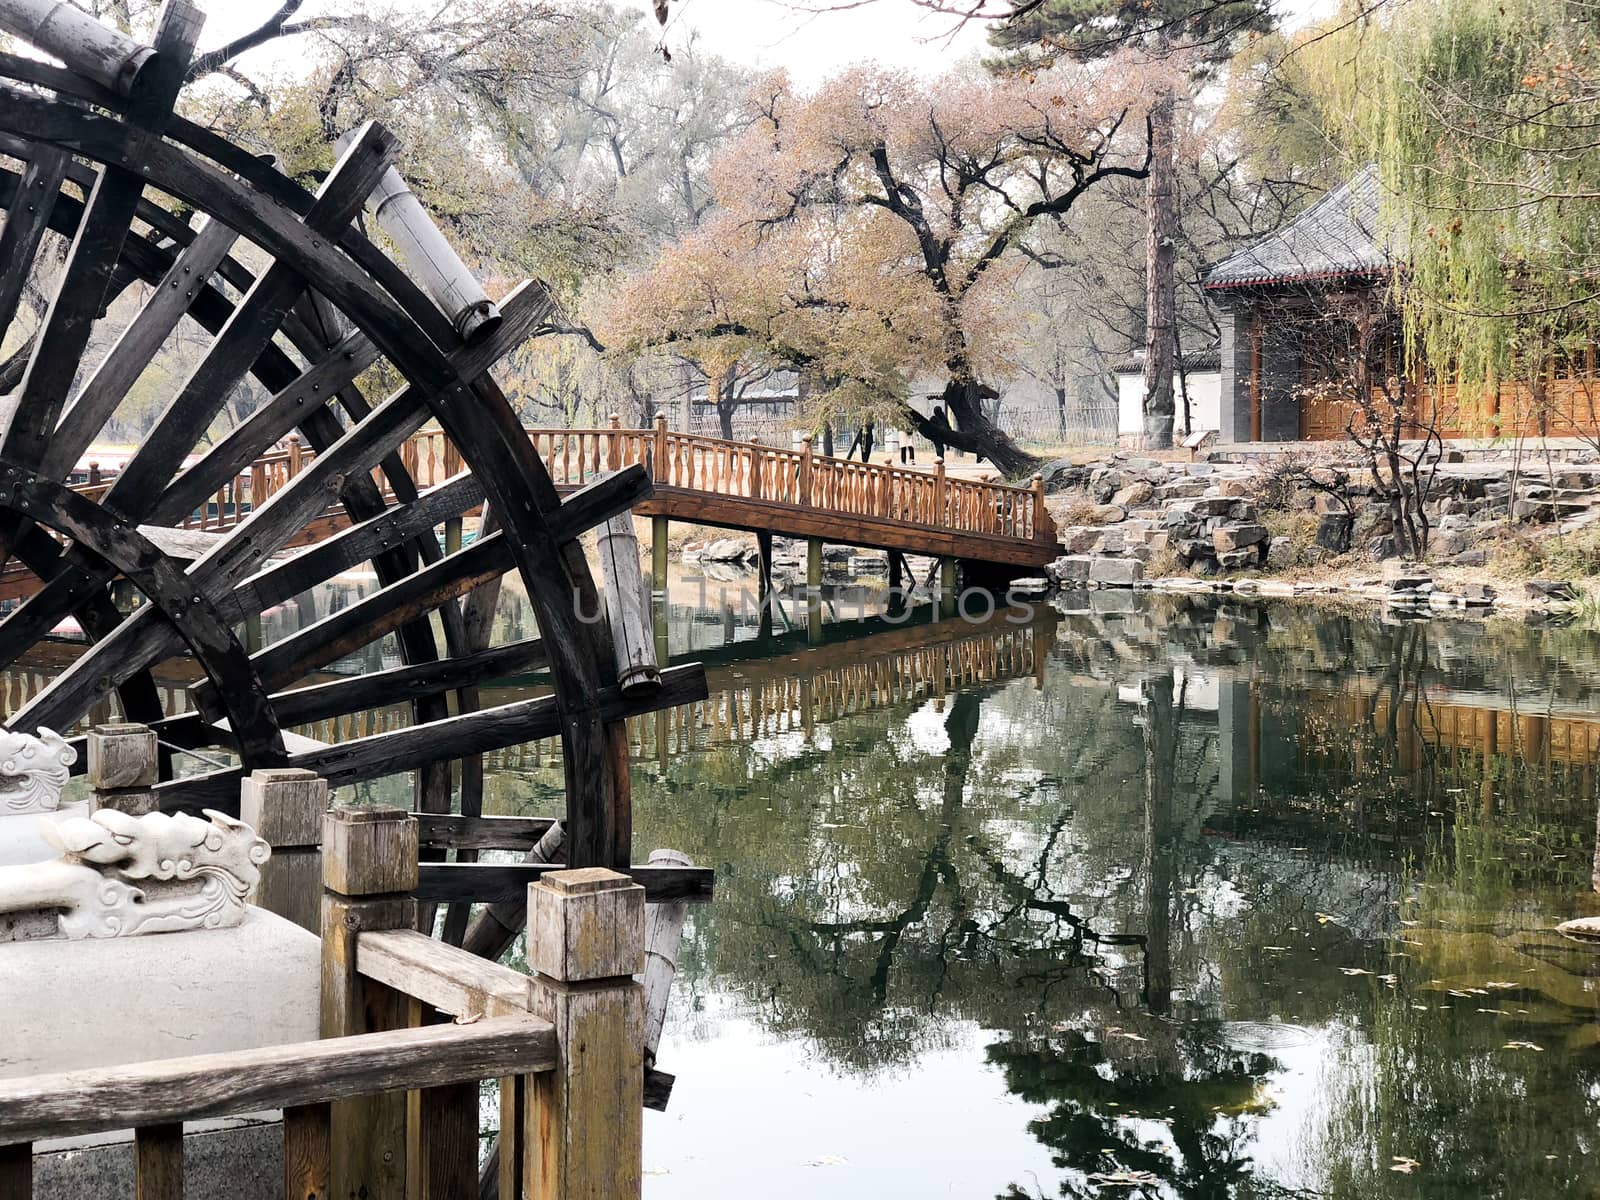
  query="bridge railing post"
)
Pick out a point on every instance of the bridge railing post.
point(804, 496)
point(755, 468)
point(614, 443)
point(659, 470)
point(296, 455)
point(1043, 527)
point(940, 492)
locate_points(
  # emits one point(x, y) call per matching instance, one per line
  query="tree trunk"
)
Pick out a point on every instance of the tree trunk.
point(1160, 287)
point(725, 420)
point(868, 436)
point(969, 429)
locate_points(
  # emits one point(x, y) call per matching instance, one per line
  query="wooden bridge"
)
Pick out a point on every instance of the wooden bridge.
point(768, 490)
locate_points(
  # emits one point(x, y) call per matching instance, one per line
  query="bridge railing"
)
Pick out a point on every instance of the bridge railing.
point(740, 470)
point(772, 474)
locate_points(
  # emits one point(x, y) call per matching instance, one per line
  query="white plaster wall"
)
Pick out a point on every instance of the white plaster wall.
point(1205, 401)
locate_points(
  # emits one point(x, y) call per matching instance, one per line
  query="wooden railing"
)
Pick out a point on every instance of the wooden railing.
point(770, 474)
point(737, 470)
point(386, 1105)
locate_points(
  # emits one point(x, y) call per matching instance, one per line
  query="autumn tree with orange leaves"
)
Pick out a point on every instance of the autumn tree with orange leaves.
point(870, 234)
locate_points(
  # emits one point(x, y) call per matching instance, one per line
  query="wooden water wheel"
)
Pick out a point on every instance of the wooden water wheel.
point(149, 200)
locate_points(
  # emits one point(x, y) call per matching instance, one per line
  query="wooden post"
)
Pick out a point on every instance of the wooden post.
point(307, 1152)
point(123, 768)
point(296, 455)
point(755, 468)
point(94, 474)
point(1043, 527)
point(941, 491)
point(16, 1172)
point(813, 589)
point(627, 599)
point(658, 555)
point(803, 496)
point(766, 600)
point(158, 1162)
point(947, 587)
point(659, 469)
point(614, 443)
point(369, 867)
point(585, 1119)
point(286, 807)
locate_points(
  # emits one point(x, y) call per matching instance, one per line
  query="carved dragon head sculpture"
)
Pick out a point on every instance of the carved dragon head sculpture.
point(33, 770)
point(158, 873)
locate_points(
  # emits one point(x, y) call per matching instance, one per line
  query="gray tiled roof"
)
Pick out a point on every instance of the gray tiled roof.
point(1196, 360)
point(1336, 236)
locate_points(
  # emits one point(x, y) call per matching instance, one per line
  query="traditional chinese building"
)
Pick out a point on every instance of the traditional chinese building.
point(1288, 304)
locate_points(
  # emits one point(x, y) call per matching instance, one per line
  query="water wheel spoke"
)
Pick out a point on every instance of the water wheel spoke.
point(26, 224)
point(98, 398)
point(252, 326)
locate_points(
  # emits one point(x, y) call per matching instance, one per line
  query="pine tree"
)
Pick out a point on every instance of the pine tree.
point(1087, 29)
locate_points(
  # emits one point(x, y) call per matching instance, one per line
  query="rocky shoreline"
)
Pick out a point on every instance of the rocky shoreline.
point(1305, 527)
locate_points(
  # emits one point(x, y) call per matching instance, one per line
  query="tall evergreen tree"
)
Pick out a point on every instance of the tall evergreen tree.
point(1087, 29)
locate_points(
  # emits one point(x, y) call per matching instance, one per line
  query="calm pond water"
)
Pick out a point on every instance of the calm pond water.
point(1151, 897)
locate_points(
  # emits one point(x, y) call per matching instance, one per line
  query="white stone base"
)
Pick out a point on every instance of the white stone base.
point(83, 1004)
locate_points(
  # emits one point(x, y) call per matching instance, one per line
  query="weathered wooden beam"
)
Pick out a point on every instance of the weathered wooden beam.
point(445, 977)
point(492, 883)
point(246, 442)
point(97, 400)
point(455, 737)
point(27, 217)
point(399, 685)
point(253, 324)
point(394, 527)
point(451, 831)
point(76, 1103)
point(347, 630)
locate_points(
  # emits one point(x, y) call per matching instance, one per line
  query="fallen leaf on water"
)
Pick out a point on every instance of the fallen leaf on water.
point(1522, 1046)
point(1499, 1012)
point(1274, 947)
point(1354, 971)
point(1404, 1165)
point(1501, 984)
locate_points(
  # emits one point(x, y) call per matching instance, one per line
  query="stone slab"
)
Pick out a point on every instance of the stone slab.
point(104, 1003)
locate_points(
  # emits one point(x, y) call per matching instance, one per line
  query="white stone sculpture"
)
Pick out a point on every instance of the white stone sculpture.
point(121, 875)
point(33, 770)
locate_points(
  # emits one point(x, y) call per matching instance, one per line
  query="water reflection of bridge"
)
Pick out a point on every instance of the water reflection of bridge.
point(760, 688)
point(781, 686)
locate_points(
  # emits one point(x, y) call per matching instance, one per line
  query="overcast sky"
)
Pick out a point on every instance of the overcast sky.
point(762, 33)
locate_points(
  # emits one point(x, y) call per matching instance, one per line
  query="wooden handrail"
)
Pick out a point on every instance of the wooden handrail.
point(73, 1103)
point(741, 470)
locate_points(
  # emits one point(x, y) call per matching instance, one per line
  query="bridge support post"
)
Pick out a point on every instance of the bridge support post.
point(658, 555)
point(814, 589)
point(764, 579)
point(947, 587)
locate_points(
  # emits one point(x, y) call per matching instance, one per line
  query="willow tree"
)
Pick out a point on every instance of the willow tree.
point(897, 211)
point(1483, 124)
